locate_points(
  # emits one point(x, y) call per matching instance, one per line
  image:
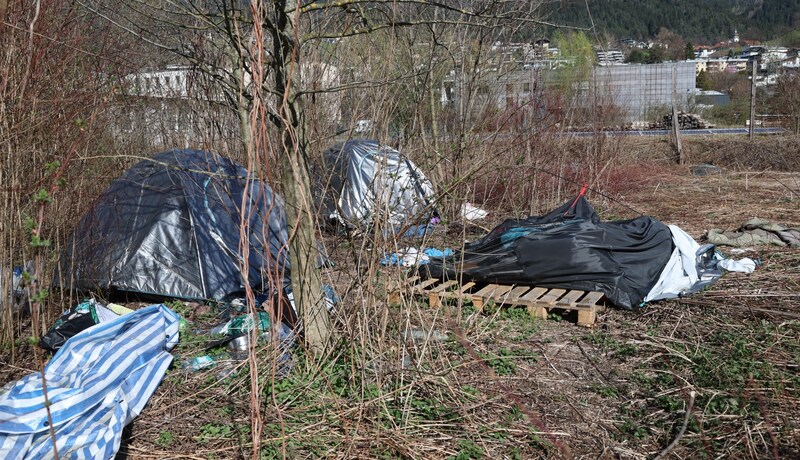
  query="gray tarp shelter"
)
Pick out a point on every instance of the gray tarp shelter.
point(170, 226)
point(363, 182)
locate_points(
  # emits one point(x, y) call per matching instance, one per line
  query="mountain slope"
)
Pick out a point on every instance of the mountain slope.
point(699, 21)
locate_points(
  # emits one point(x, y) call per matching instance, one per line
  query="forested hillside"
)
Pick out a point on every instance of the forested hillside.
point(699, 21)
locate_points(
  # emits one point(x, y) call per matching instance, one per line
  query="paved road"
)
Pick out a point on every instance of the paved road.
point(689, 132)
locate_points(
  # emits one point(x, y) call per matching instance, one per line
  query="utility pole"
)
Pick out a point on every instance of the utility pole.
point(754, 64)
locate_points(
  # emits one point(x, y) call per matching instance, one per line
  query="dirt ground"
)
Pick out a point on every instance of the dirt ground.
point(713, 375)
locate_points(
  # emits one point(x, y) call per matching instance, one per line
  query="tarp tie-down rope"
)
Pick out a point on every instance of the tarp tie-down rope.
point(580, 194)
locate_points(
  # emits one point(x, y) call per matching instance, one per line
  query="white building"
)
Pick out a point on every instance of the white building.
point(609, 57)
point(712, 65)
point(179, 107)
point(772, 54)
point(704, 53)
point(171, 83)
point(635, 89)
point(791, 63)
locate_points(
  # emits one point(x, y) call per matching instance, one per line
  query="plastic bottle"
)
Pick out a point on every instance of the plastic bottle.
point(200, 362)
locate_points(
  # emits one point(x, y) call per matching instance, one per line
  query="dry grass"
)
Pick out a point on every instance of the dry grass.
point(502, 385)
point(777, 153)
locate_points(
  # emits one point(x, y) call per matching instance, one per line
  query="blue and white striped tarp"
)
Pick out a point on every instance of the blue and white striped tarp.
point(97, 383)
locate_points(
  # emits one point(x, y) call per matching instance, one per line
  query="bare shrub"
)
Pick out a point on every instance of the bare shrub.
point(52, 91)
point(773, 153)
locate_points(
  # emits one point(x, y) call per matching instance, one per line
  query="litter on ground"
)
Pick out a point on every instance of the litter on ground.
point(411, 256)
point(756, 232)
point(471, 212)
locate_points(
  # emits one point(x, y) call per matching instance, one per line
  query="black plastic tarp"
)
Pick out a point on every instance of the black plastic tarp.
point(568, 248)
point(170, 226)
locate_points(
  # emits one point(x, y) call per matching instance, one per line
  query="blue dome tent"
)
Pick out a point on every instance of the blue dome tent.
point(171, 227)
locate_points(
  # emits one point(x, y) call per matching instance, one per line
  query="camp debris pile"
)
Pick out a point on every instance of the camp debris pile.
point(169, 227)
point(629, 261)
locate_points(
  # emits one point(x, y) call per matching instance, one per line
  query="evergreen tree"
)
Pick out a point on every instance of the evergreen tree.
point(688, 51)
point(702, 81)
point(656, 55)
point(637, 56)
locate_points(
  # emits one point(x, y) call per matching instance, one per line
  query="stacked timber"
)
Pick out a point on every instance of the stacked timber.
point(685, 121)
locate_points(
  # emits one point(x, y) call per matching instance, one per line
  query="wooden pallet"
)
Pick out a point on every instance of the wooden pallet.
point(539, 301)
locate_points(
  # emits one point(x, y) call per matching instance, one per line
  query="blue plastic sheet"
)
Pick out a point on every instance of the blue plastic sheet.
point(97, 383)
point(411, 256)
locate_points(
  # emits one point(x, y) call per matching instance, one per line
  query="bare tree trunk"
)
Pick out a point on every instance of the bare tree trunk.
point(306, 279)
point(754, 64)
point(434, 109)
point(296, 184)
point(243, 112)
